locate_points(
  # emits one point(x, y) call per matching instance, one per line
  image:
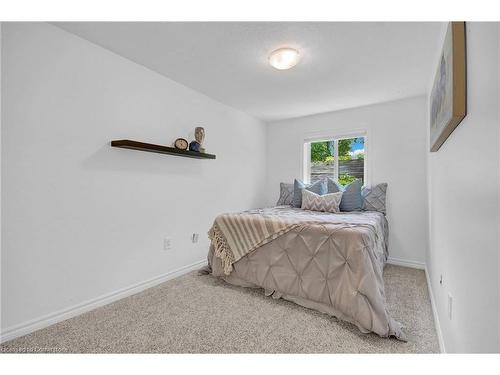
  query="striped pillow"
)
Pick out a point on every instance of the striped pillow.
point(325, 203)
point(319, 187)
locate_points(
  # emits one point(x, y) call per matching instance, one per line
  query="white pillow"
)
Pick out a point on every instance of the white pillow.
point(325, 203)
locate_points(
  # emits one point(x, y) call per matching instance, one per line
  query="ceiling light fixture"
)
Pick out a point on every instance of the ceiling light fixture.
point(284, 58)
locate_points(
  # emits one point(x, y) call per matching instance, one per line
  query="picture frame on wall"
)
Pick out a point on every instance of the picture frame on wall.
point(448, 100)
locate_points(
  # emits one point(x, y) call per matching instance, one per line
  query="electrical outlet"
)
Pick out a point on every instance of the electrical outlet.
point(167, 243)
point(195, 237)
point(450, 305)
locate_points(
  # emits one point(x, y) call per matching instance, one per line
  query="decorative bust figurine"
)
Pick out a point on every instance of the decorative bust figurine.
point(199, 135)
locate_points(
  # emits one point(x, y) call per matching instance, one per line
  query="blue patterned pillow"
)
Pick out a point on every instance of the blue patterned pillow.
point(319, 187)
point(351, 197)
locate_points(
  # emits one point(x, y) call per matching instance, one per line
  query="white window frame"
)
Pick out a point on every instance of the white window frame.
point(335, 136)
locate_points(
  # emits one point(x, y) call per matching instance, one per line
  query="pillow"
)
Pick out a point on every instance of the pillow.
point(286, 194)
point(325, 203)
point(332, 186)
point(319, 187)
point(351, 199)
point(374, 197)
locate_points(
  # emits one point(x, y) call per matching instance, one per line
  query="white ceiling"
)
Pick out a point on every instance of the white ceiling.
point(343, 65)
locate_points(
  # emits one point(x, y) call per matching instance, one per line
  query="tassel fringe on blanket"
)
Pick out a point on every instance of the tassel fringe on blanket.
point(221, 248)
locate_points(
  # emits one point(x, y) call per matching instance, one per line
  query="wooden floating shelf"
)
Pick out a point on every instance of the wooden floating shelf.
point(148, 147)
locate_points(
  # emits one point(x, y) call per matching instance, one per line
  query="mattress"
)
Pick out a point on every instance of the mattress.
point(333, 264)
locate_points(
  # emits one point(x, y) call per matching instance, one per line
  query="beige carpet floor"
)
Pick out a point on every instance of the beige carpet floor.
point(201, 314)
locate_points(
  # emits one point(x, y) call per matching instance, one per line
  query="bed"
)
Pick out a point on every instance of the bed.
point(330, 262)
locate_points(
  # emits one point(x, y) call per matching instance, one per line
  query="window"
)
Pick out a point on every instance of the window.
point(340, 158)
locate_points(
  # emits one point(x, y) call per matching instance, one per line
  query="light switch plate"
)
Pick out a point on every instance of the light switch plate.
point(167, 243)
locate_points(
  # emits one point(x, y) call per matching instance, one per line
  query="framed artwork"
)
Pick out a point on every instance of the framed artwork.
point(448, 100)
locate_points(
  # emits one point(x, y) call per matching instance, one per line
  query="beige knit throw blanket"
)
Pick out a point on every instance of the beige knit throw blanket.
point(235, 235)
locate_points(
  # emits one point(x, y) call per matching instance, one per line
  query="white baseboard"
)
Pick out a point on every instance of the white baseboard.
point(437, 325)
point(406, 263)
point(70, 312)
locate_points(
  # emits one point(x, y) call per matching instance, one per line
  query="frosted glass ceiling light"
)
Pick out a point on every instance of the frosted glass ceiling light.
point(284, 58)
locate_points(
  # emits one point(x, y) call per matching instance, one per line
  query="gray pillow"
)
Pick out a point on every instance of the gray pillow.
point(351, 197)
point(332, 186)
point(286, 194)
point(319, 187)
point(374, 197)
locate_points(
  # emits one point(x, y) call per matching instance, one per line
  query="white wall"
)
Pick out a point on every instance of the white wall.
point(498, 190)
point(396, 155)
point(82, 219)
point(464, 186)
point(1, 26)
